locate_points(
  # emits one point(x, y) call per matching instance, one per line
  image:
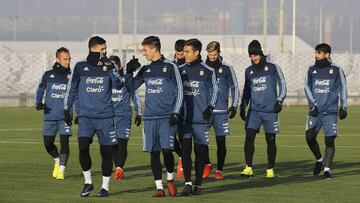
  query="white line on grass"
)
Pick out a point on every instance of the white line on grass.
point(232, 146)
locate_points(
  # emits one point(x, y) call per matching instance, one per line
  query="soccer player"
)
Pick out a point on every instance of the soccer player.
point(179, 60)
point(260, 90)
point(163, 99)
point(53, 84)
point(324, 83)
point(91, 84)
point(200, 95)
point(227, 83)
point(179, 52)
point(123, 113)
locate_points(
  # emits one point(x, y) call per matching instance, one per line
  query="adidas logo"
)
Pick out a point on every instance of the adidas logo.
point(148, 71)
point(251, 72)
point(86, 69)
point(183, 72)
point(52, 76)
point(226, 131)
point(314, 72)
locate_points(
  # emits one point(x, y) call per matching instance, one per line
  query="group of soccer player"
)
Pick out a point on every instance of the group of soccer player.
point(184, 98)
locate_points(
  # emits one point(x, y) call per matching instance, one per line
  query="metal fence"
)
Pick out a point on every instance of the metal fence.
point(20, 73)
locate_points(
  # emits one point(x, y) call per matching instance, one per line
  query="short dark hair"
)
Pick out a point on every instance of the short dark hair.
point(152, 41)
point(96, 40)
point(179, 45)
point(115, 59)
point(60, 50)
point(195, 44)
point(323, 47)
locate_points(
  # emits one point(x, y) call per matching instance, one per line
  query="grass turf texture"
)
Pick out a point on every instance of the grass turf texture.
point(25, 167)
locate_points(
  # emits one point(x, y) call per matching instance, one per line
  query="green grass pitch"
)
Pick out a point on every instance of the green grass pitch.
point(25, 167)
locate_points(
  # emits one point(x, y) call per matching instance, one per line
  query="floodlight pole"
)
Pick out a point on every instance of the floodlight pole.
point(294, 27)
point(265, 24)
point(120, 30)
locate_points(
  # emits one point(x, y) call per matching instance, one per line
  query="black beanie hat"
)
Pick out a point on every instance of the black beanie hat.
point(255, 48)
point(323, 47)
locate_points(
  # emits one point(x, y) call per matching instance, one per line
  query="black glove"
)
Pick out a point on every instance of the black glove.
point(106, 61)
point(137, 120)
point(173, 120)
point(67, 118)
point(278, 107)
point(342, 113)
point(314, 111)
point(232, 112)
point(207, 113)
point(76, 120)
point(39, 106)
point(132, 65)
point(243, 114)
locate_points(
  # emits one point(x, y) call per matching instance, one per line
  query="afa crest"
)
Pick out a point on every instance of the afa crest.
point(164, 69)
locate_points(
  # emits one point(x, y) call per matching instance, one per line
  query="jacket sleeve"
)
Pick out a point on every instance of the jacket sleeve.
point(234, 88)
point(137, 102)
point(179, 89)
point(133, 83)
point(116, 81)
point(343, 89)
point(72, 90)
point(212, 88)
point(40, 90)
point(308, 90)
point(280, 80)
point(246, 93)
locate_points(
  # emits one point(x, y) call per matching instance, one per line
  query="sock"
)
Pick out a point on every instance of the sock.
point(314, 147)
point(57, 160)
point(249, 147)
point(155, 164)
point(106, 182)
point(170, 176)
point(87, 176)
point(271, 149)
point(62, 168)
point(326, 169)
point(221, 151)
point(320, 160)
point(199, 162)
point(168, 160)
point(329, 151)
point(188, 183)
point(207, 156)
point(186, 159)
point(159, 184)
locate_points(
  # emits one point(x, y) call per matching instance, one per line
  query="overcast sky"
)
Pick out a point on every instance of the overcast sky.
point(37, 19)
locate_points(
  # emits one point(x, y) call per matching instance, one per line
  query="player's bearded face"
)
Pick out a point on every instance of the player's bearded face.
point(179, 54)
point(190, 54)
point(213, 55)
point(64, 59)
point(255, 59)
